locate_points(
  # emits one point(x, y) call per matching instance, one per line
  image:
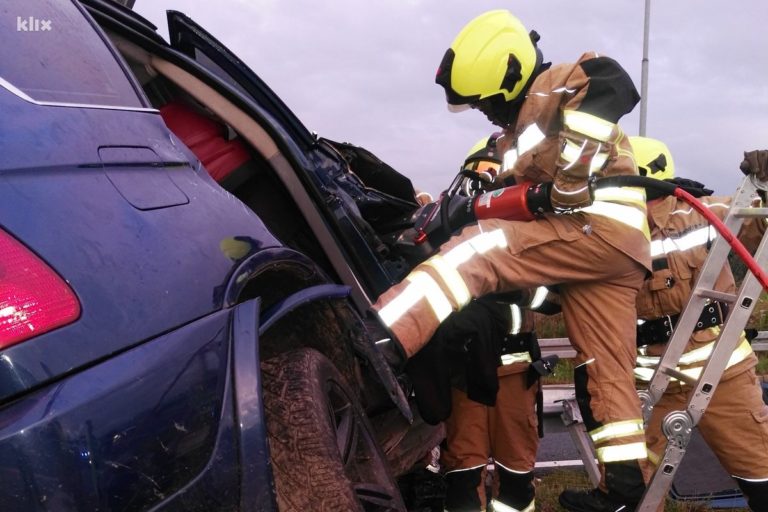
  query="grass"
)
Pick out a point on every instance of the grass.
point(551, 484)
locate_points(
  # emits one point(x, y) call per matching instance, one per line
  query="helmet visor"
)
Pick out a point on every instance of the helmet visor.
point(458, 108)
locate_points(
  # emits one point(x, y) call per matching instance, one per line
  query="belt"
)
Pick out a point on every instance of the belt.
point(658, 330)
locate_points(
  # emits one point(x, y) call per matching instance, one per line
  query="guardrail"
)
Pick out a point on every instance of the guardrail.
point(563, 348)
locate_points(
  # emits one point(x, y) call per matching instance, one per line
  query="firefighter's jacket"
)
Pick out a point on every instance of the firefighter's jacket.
point(680, 240)
point(567, 104)
point(567, 107)
point(466, 347)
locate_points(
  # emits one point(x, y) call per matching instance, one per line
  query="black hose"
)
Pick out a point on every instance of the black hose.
point(664, 187)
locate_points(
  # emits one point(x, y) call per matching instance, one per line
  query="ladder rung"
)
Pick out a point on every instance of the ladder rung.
point(678, 375)
point(751, 212)
point(730, 298)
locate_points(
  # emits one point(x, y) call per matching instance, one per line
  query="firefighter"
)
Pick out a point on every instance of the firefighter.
point(508, 431)
point(735, 424)
point(560, 133)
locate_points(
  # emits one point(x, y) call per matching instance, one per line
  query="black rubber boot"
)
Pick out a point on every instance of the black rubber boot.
point(593, 500)
point(756, 494)
point(461, 490)
point(624, 481)
point(515, 489)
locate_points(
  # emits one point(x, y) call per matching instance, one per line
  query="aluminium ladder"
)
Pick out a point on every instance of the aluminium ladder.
point(678, 426)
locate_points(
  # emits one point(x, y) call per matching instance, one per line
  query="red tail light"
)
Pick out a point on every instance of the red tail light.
point(33, 298)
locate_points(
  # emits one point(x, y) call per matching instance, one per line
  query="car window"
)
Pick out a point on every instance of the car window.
point(204, 60)
point(50, 53)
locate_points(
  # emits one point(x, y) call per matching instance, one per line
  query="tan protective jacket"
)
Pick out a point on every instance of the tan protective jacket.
point(552, 117)
point(680, 238)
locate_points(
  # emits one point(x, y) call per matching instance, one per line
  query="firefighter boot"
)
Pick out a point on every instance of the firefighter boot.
point(462, 490)
point(516, 491)
point(756, 493)
point(624, 481)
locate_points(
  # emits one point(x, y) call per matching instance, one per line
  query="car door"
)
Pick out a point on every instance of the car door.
point(316, 168)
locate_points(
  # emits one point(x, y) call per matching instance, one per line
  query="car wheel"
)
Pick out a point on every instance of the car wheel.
point(323, 453)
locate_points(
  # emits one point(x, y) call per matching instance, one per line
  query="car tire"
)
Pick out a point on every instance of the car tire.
point(322, 450)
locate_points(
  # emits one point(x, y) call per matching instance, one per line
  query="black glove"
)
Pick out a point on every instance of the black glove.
point(693, 187)
point(756, 162)
point(448, 215)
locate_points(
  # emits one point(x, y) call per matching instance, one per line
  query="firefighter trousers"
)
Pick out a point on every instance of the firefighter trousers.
point(507, 432)
point(589, 259)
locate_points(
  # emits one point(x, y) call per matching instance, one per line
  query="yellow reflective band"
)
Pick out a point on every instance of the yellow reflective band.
point(484, 242)
point(459, 254)
point(433, 294)
point(527, 140)
point(452, 279)
point(530, 137)
point(688, 241)
point(653, 458)
point(538, 297)
point(589, 125)
point(623, 152)
point(644, 374)
point(632, 195)
point(517, 357)
point(616, 430)
point(597, 162)
point(517, 319)
point(629, 215)
point(572, 153)
point(423, 286)
point(398, 306)
point(498, 506)
point(621, 452)
point(648, 363)
point(509, 160)
point(477, 244)
point(420, 286)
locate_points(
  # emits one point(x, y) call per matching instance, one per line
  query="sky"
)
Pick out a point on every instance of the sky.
point(363, 71)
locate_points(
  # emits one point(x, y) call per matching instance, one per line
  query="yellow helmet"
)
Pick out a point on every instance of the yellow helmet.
point(492, 55)
point(653, 158)
point(483, 156)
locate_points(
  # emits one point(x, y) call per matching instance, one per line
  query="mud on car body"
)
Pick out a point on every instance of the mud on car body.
point(183, 299)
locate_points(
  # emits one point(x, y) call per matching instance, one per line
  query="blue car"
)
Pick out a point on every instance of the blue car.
point(185, 272)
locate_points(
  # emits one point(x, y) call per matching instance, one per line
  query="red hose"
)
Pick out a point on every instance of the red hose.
point(729, 237)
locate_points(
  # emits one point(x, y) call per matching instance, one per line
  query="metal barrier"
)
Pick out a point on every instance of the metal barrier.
point(562, 347)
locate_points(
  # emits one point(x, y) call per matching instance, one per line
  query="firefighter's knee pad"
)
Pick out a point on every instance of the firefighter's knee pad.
point(583, 398)
point(461, 490)
point(755, 492)
point(515, 489)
